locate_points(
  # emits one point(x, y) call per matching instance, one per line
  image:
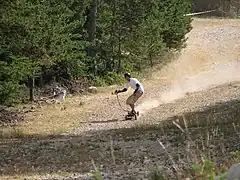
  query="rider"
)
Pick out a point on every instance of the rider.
point(137, 86)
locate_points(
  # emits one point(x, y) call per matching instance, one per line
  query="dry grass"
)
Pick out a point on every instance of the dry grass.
point(11, 132)
point(50, 119)
point(54, 119)
point(202, 160)
point(34, 176)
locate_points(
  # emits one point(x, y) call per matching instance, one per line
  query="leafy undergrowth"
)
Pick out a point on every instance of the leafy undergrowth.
point(204, 170)
point(206, 163)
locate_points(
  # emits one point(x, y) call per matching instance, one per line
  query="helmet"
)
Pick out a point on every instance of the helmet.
point(126, 74)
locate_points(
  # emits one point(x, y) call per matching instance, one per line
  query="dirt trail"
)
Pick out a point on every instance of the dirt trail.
point(211, 58)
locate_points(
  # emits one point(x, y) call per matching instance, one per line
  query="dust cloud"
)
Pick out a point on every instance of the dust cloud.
point(215, 76)
point(211, 58)
point(221, 74)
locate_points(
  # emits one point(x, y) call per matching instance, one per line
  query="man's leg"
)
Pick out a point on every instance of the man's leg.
point(132, 107)
point(137, 96)
point(130, 101)
point(133, 99)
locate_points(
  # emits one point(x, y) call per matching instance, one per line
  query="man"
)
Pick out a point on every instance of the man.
point(138, 91)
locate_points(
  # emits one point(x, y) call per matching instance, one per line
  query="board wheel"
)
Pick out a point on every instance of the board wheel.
point(128, 117)
point(137, 113)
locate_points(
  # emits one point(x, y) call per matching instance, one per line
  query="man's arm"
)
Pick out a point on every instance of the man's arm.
point(123, 90)
point(120, 91)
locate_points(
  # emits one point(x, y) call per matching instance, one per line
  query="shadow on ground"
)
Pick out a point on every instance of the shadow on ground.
point(53, 154)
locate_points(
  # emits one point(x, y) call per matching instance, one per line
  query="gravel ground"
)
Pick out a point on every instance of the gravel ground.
point(212, 58)
point(206, 73)
point(191, 103)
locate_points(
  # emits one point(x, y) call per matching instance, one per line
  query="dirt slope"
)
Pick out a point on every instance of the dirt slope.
point(212, 58)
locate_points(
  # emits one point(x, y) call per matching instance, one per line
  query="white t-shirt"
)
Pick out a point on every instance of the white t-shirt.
point(132, 83)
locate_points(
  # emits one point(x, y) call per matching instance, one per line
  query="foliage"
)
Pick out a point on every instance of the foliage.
point(202, 171)
point(157, 174)
point(53, 39)
point(208, 170)
point(13, 72)
point(97, 175)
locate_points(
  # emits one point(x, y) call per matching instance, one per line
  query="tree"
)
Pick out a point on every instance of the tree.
point(63, 39)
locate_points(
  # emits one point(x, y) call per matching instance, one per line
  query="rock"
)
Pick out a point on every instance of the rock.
point(81, 103)
point(61, 95)
point(81, 91)
point(92, 89)
point(63, 108)
point(234, 172)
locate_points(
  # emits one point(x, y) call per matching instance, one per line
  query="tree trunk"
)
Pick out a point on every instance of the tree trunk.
point(119, 51)
point(92, 21)
point(113, 33)
point(150, 59)
point(91, 28)
point(226, 6)
point(31, 88)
